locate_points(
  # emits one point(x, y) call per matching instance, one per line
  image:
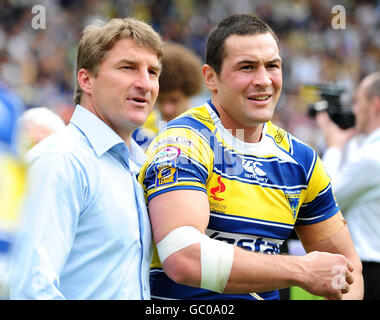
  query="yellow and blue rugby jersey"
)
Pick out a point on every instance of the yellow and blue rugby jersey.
point(257, 192)
point(145, 134)
point(12, 180)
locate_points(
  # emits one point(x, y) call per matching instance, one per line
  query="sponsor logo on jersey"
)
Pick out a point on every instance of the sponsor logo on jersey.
point(255, 172)
point(220, 188)
point(248, 242)
point(173, 140)
point(167, 154)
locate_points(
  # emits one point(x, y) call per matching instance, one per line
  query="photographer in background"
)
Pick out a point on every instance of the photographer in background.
point(356, 180)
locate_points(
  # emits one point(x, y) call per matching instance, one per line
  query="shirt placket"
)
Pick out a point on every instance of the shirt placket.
point(144, 286)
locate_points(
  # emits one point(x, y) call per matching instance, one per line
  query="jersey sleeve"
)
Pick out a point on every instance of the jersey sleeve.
point(320, 203)
point(180, 157)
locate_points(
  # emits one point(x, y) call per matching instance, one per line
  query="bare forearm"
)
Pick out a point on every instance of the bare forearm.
point(255, 272)
point(250, 272)
point(341, 243)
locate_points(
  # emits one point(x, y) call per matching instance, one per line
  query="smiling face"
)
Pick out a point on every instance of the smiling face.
point(250, 81)
point(126, 87)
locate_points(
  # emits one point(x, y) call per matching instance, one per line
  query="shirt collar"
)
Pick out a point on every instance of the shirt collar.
point(99, 134)
point(373, 136)
point(214, 113)
point(137, 155)
point(102, 138)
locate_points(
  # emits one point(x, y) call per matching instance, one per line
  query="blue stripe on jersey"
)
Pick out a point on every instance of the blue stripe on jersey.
point(10, 108)
point(268, 172)
point(310, 213)
point(192, 166)
point(176, 188)
point(5, 241)
point(188, 170)
point(256, 227)
point(304, 155)
point(213, 107)
point(159, 280)
point(4, 246)
point(139, 137)
point(230, 164)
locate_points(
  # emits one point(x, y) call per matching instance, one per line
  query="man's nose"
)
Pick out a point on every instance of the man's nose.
point(261, 77)
point(143, 80)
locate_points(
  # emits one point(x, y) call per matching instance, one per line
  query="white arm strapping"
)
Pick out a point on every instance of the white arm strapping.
point(216, 256)
point(176, 240)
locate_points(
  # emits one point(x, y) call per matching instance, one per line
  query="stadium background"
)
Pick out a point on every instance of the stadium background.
point(39, 64)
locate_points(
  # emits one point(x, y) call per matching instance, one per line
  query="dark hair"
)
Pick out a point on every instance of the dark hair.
point(240, 24)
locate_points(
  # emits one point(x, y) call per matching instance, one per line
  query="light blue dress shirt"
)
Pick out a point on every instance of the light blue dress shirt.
point(356, 184)
point(85, 231)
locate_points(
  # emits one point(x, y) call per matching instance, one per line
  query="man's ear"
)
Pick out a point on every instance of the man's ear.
point(376, 104)
point(84, 80)
point(210, 77)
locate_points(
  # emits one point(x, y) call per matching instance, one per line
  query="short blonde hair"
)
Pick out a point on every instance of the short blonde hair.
point(97, 40)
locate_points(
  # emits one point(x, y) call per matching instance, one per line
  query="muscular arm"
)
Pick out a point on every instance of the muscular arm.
point(251, 272)
point(339, 243)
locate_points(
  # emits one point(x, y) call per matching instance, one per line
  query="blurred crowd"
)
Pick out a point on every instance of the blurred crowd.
point(40, 63)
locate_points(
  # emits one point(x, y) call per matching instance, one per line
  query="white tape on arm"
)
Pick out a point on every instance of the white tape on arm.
point(216, 256)
point(176, 240)
point(216, 261)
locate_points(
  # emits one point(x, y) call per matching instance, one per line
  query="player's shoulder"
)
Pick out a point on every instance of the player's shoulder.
point(296, 148)
point(197, 118)
point(194, 126)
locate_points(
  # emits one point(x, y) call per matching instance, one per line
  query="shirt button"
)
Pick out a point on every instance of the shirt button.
point(122, 149)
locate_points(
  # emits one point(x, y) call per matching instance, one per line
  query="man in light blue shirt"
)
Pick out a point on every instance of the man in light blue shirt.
point(86, 231)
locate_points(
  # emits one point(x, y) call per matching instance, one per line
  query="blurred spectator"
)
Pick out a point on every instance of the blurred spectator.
point(12, 180)
point(181, 79)
point(36, 124)
point(356, 180)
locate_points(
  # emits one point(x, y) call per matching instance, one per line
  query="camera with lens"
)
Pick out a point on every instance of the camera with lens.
point(331, 102)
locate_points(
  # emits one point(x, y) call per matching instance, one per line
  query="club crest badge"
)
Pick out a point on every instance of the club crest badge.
point(293, 198)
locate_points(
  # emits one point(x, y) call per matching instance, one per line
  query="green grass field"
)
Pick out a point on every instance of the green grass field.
point(297, 293)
